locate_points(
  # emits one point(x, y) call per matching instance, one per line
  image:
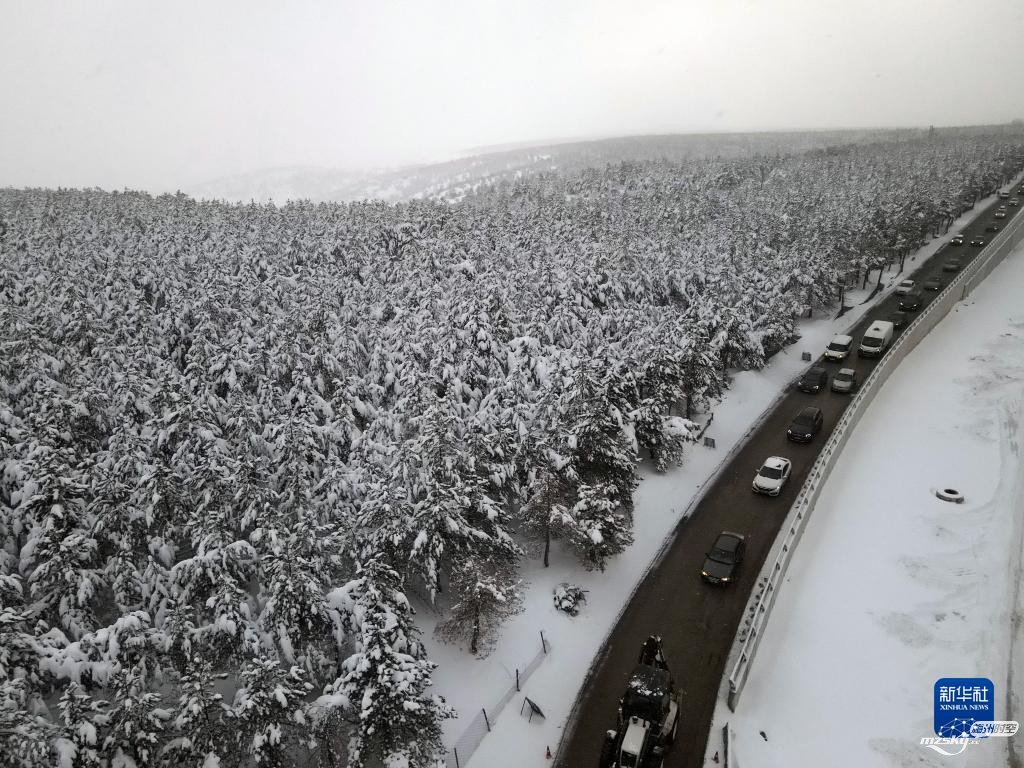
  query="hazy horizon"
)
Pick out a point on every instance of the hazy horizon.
point(114, 94)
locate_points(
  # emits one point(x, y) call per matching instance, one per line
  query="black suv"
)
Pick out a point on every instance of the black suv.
point(724, 558)
point(806, 425)
point(813, 381)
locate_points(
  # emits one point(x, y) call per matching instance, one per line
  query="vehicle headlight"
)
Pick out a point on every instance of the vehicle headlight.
point(705, 573)
point(727, 578)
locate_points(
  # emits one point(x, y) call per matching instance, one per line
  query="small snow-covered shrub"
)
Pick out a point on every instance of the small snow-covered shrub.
point(569, 598)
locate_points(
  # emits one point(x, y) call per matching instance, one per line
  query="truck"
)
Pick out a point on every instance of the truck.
point(648, 716)
point(877, 339)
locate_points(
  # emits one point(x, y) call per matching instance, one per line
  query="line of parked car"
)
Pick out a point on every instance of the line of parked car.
point(726, 554)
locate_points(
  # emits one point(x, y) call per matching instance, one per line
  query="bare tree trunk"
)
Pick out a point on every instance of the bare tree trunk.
point(547, 542)
point(475, 639)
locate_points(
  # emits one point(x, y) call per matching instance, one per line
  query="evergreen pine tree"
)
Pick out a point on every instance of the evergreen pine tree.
point(135, 723)
point(268, 711)
point(485, 596)
point(600, 529)
point(82, 720)
point(203, 733)
point(383, 686)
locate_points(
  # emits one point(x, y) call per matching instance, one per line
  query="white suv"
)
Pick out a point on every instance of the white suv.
point(772, 475)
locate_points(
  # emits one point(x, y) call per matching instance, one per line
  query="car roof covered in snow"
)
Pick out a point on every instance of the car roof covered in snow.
point(842, 338)
point(776, 462)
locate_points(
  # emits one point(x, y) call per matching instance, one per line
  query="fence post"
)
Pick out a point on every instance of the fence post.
point(456, 752)
point(543, 642)
point(517, 679)
point(486, 720)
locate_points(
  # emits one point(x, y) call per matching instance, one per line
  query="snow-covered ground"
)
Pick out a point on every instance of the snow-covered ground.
point(892, 588)
point(660, 501)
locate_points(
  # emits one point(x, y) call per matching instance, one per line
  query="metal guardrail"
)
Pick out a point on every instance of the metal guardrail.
point(774, 570)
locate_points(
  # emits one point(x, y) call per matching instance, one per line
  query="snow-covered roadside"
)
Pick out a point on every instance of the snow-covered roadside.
point(470, 684)
point(913, 588)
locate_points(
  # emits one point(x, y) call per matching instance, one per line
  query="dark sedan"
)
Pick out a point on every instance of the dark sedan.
point(813, 381)
point(898, 319)
point(978, 242)
point(932, 284)
point(912, 301)
point(806, 425)
point(991, 228)
point(957, 240)
point(724, 558)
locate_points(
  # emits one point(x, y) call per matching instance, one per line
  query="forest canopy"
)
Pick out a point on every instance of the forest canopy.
point(239, 442)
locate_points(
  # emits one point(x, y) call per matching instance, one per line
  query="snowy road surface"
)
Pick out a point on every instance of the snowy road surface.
point(891, 588)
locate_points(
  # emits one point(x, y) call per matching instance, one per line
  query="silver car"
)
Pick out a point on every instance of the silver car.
point(845, 381)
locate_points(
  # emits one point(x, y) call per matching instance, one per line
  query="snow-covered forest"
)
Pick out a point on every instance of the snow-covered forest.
point(238, 444)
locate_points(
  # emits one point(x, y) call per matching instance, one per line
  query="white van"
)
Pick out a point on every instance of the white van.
point(838, 348)
point(877, 339)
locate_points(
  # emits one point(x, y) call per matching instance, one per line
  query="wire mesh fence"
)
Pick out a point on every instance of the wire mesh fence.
point(458, 756)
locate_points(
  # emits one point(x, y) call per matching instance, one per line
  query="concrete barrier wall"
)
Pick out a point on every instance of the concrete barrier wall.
point(774, 570)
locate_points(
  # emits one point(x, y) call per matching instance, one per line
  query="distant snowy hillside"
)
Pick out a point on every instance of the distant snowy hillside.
point(453, 179)
point(283, 184)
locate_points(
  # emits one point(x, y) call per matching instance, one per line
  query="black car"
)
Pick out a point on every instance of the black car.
point(911, 301)
point(933, 284)
point(724, 558)
point(991, 228)
point(978, 242)
point(813, 381)
point(953, 265)
point(898, 319)
point(806, 425)
point(957, 240)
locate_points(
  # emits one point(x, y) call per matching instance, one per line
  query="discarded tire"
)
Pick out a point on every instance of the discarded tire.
point(950, 494)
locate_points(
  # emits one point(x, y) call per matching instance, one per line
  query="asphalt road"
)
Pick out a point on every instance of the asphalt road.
point(697, 621)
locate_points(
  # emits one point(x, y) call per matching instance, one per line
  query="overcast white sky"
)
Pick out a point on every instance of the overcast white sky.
point(114, 94)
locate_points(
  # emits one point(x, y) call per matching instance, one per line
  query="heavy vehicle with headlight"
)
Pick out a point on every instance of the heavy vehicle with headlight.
point(648, 714)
